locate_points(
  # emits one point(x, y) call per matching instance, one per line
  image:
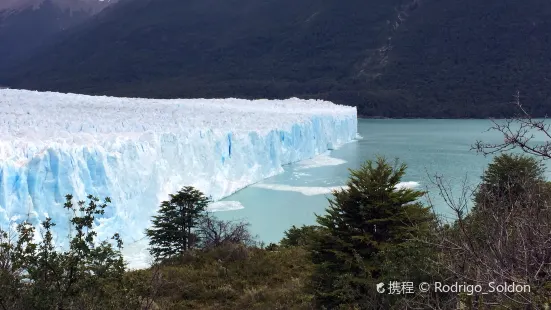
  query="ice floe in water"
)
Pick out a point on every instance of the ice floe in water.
point(319, 190)
point(410, 184)
point(299, 175)
point(305, 190)
point(323, 160)
point(220, 206)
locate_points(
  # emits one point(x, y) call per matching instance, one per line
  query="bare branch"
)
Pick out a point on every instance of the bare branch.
point(518, 133)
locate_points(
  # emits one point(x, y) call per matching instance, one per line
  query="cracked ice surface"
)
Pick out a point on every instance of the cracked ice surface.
point(137, 151)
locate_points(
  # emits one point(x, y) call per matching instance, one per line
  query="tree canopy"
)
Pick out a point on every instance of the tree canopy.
point(370, 235)
point(173, 229)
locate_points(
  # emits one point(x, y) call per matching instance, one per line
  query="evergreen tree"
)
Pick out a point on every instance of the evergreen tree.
point(512, 179)
point(299, 236)
point(368, 236)
point(173, 229)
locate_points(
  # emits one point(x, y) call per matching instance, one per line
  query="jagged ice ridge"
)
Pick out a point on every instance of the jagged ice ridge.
point(137, 151)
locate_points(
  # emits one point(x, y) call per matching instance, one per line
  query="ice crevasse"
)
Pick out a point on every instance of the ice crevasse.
point(137, 151)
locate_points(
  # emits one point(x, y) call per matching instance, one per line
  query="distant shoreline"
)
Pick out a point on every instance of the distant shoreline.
point(403, 117)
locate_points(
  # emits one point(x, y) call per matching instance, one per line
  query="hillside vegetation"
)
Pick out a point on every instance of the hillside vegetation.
point(27, 26)
point(372, 236)
point(398, 58)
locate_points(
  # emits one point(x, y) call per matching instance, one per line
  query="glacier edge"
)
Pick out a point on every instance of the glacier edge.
point(137, 156)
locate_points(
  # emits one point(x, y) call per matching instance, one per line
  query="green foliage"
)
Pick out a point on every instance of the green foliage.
point(271, 247)
point(173, 229)
point(373, 233)
point(446, 58)
point(510, 178)
point(506, 168)
point(300, 236)
point(467, 58)
point(35, 275)
point(233, 277)
point(510, 218)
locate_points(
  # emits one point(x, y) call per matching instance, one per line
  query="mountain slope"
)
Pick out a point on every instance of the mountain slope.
point(467, 58)
point(27, 24)
point(92, 6)
point(397, 58)
point(245, 48)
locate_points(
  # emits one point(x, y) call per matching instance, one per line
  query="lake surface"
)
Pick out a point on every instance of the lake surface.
point(428, 147)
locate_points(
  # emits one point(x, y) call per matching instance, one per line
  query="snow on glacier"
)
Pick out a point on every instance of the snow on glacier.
point(137, 151)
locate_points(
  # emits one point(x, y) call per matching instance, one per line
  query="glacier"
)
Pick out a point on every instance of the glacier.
point(137, 151)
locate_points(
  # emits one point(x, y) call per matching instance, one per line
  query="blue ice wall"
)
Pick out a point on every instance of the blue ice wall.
point(139, 172)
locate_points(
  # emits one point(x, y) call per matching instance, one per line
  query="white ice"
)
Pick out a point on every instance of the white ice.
point(137, 151)
point(321, 190)
point(408, 184)
point(220, 206)
point(323, 160)
point(305, 190)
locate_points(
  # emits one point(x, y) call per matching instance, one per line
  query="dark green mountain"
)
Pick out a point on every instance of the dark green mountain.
point(393, 58)
point(25, 25)
point(467, 58)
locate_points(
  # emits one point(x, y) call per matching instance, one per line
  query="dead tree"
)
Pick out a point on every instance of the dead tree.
point(519, 132)
point(503, 239)
point(213, 232)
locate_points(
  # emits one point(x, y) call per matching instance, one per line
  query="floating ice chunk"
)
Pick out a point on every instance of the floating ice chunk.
point(409, 184)
point(225, 206)
point(298, 175)
point(319, 190)
point(305, 190)
point(320, 161)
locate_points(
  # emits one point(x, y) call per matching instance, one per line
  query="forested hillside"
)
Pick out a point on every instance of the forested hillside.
point(467, 58)
point(392, 58)
point(26, 25)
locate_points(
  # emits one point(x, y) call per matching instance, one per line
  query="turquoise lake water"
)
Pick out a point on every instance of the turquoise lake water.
point(428, 147)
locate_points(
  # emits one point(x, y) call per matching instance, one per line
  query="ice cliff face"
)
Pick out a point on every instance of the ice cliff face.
point(137, 151)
